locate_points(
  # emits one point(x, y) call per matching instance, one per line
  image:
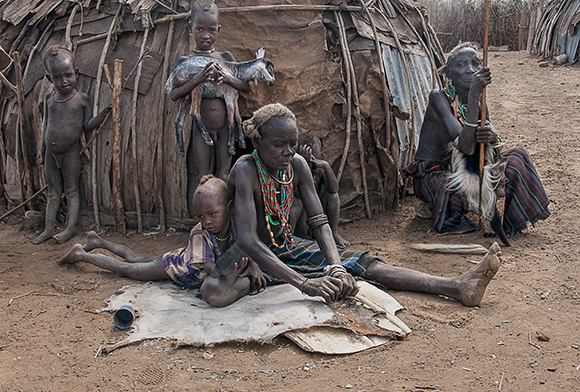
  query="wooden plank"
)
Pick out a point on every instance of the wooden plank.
point(117, 183)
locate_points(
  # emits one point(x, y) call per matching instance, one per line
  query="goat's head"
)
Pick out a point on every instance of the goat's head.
point(263, 71)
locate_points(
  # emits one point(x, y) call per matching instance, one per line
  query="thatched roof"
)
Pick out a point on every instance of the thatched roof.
point(303, 41)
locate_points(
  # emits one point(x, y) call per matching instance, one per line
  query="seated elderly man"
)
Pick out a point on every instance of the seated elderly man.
point(446, 167)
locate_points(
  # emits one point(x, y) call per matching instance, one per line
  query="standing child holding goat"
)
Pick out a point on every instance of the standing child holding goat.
point(212, 111)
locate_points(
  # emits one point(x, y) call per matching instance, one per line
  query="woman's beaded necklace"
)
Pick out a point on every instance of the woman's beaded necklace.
point(459, 110)
point(199, 51)
point(276, 214)
point(63, 100)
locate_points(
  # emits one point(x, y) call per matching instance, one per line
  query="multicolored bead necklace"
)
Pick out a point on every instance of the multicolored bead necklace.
point(459, 109)
point(227, 237)
point(276, 214)
point(204, 51)
point(63, 100)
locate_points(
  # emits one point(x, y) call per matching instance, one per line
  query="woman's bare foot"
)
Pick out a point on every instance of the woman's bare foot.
point(93, 241)
point(46, 234)
point(73, 256)
point(473, 283)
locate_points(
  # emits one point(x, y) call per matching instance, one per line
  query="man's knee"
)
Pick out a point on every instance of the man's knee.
point(212, 293)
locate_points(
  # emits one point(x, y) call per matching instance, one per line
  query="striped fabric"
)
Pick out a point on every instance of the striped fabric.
point(185, 265)
point(526, 200)
point(305, 257)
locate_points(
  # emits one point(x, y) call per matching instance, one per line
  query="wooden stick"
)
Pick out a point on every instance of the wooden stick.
point(483, 103)
point(344, 47)
point(45, 33)
point(23, 128)
point(358, 128)
point(91, 39)
point(24, 202)
point(119, 210)
point(378, 49)
point(159, 162)
point(96, 110)
point(134, 134)
point(68, 39)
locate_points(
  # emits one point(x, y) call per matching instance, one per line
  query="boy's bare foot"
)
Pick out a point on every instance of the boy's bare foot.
point(64, 236)
point(73, 255)
point(341, 241)
point(46, 234)
point(93, 241)
point(473, 283)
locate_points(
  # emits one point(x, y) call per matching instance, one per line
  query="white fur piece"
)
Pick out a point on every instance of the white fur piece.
point(467, 183)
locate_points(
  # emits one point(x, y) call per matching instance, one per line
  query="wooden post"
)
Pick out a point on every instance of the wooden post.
point(134, 135)
point(117, 88)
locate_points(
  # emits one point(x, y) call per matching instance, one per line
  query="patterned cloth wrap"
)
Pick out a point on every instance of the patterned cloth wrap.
point(305, 257)
point(185, 265)
point(526, 200)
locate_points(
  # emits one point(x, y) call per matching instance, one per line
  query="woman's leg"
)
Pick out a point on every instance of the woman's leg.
point(467, 288)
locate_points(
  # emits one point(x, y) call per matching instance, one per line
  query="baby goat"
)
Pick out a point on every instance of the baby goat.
point(259, 69)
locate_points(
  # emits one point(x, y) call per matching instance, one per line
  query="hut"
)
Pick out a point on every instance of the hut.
point(558, 30)
point(357, 74)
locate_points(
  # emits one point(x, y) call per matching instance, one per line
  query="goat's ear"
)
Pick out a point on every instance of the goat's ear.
point(260, 53)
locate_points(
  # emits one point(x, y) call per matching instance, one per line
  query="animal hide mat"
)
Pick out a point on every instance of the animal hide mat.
point(166, 312)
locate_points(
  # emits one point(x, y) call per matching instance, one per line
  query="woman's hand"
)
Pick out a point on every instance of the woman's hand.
point(349, 286)
point(257, 277)
point(485, 135)
point(480, 80)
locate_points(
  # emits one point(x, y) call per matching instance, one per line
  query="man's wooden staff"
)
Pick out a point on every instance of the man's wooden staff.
point(483, 103)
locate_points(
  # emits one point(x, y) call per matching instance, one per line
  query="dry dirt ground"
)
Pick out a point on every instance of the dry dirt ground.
point(50, 335)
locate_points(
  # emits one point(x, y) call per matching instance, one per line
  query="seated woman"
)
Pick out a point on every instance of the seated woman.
point(446, 166)
point(263, 185)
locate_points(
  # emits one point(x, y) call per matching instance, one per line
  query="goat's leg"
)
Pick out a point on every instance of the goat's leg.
point(196, 115)
point(238, 124)
point(179, 120)
point(231, 108)
point(497, 227)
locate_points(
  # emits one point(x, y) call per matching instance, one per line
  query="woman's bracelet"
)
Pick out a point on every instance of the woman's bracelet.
point(332, 269)
point(470, 124)
point(302, 286)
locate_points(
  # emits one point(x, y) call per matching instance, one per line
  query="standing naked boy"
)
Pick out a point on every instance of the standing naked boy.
point(205, 28)
point(68, 113)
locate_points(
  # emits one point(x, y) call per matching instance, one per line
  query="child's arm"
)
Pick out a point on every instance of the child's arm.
point(205, 75)
point(91, 122)
point(329, 179)
point(224, 77)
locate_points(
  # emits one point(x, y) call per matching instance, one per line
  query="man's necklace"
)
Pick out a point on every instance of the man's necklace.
point(198, 51)
point(274, 213)
point(63, 100)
